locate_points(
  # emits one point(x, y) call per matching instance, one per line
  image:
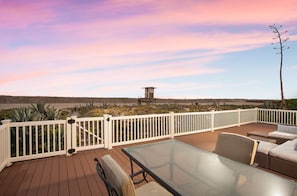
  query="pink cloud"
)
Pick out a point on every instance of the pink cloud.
point(172, 13)
point(16, 77)
point(161, 17)
point(21, 15)
point(136, 41)
point(114, 54)
point(242, 12)
point(113, 14)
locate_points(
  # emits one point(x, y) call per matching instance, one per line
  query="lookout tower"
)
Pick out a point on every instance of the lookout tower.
point(148, 95)
point(149, 92)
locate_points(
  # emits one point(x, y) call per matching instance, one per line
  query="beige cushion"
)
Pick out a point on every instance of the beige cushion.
point(151, 189)
point(265, 147)
point(287, 128)
point(281, 134)
point(117, 177)
point(285, 151)
point(123, 183)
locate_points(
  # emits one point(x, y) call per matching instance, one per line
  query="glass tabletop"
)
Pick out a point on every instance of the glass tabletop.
point(187, 170)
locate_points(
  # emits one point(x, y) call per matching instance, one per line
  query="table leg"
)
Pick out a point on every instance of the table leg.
point(132, 175)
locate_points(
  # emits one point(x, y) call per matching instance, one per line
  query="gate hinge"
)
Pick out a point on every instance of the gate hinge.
point(71, 121)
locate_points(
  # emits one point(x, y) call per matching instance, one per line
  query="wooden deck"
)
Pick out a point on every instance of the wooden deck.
point(76, 175)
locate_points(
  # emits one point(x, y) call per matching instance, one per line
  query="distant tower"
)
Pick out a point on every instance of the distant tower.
point(148, 95)
point(149, 92)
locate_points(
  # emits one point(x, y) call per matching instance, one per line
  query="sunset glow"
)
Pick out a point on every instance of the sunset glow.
point(113, 48)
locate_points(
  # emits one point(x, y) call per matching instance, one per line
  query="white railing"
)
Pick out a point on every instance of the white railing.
point(37, 139)
point(229, 118)
point(132, 129)
point(271, 116)
point(4, 144)
point(248, 116)
point(189, 123)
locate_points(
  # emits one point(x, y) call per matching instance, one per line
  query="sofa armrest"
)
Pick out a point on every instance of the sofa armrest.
point(287, 129)
point(285, 135)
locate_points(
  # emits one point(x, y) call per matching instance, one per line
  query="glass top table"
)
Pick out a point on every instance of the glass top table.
point(187, 170)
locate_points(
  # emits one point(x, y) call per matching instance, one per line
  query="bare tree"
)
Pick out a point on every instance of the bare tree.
point(279, 36)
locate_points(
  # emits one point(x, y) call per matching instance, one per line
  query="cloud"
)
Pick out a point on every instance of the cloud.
point(100, 45)
point(20, 15)
point(18, 77)
point(118, 61)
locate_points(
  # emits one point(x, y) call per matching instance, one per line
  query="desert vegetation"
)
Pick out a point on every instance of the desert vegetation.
point(43, 111)
point(38, 112)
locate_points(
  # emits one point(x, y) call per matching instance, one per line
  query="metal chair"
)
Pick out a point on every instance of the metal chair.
point(110, 189)
point(119, 183)
point(236, 147)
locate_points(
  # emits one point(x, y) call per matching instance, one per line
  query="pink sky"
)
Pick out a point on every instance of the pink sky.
point(114, 48)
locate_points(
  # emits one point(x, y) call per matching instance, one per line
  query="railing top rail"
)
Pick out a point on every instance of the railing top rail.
point(278, 110)
point(30, 123)
point(225, 111)
point(139, 116)
point(192, 113)
point(89, 118)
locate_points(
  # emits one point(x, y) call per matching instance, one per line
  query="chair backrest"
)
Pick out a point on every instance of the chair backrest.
point(117, 177)
point(110, 189)
point(236, 147)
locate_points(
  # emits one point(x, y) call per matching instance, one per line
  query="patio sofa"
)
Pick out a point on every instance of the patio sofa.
point(283, 133)
point(262, 154)
point(283, 158)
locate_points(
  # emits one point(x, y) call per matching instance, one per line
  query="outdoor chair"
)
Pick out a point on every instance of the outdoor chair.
point(236, 147)
point(119, 183)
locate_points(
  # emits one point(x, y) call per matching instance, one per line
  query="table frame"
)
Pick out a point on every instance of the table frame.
point(144, 171)
point(237, 169)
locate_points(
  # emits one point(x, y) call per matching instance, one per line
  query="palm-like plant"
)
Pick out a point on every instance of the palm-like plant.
point(21, 115)
point(36, 112)
point(52, 113)
point(40, 109)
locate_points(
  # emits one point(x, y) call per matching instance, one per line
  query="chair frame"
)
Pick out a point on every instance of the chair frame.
point(234, 135)
point(110, 189)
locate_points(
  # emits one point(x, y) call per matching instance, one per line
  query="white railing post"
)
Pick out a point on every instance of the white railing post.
point(71, 135)
point(257, 115)
point(6, 143)
point(238, 117)
point(107, 131)
point(212, 120)
point(171, 124)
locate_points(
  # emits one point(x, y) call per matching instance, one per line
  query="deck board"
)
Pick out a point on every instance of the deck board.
point(25, 175)
point(76, 174)
point(45, 178)
point(63, 176)
point(10, 179)
point(54, 178)
point(37, 173)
